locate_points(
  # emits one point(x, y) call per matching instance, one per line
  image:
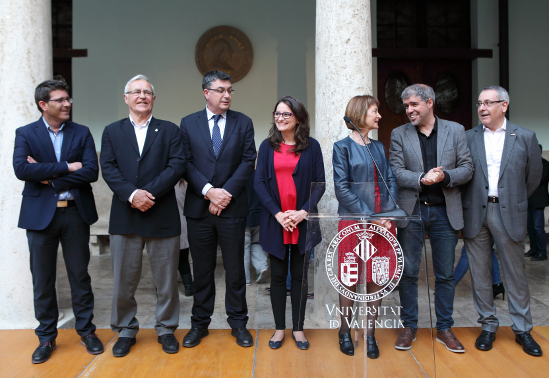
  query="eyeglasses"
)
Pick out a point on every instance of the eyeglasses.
point(222, 90)
point(284, 115)
point(61, 100)
point(487, 103)
point(137, 92)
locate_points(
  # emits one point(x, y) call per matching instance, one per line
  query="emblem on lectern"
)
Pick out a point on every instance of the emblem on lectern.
point(349, 270)
point(361, 253)
point(380, 270)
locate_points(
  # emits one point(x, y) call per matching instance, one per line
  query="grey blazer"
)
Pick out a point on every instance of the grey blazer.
point(519, 176)
point(407, 164)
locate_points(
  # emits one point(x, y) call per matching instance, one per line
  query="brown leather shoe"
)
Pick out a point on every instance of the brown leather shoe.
point(450, 341)
point(405, 339)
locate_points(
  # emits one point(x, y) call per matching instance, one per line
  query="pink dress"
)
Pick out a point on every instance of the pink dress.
point(284, 166)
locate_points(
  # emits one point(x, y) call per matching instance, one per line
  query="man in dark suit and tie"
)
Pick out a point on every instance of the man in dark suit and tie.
point(57, 160)
point(142, 159)
point(508, 170)
point(219, 158)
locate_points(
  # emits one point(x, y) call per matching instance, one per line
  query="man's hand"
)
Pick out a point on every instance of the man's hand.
point(433, 176)
point(142, 200)
point(75, 166)
point(219, 197)
point(32, 161)
point(214, 209)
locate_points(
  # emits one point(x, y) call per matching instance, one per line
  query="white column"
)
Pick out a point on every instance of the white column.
point(343, 70)
point(25, 61)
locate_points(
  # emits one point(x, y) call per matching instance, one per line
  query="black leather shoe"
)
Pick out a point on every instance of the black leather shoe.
point(43, 352)
point(303, 345)
point(192, 338)
point(530, 253)
point(539, 257)
point(499, 289)
point(275, 344)
point(528, 343)
point(485, 340)
point(243, 337)
point(346, 345)
point(169, 343)
point(92, 343)
point(373, 350)
point(122, 346)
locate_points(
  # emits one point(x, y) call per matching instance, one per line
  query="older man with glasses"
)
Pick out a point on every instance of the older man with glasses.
point(220, 155)
point(56, 159)
point(142, 159)
point(508, 169)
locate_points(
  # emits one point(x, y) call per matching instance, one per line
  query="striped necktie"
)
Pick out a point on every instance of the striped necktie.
point(216, 135)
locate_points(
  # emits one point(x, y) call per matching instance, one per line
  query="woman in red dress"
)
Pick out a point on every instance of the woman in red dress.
point(288, 162)
point(358, 193)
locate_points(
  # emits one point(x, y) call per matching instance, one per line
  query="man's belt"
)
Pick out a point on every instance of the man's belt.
point(493, 199)
point(66, 203)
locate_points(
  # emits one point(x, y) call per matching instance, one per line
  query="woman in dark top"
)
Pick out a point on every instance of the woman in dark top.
point(352, 164)
point(288, 162)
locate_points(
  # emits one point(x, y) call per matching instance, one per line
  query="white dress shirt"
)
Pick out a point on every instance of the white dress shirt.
point(221, 123)
point(493, 143)
point(141, 135)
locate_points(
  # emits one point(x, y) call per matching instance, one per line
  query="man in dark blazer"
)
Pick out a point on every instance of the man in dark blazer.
point(535, 225)
point(142, 159)
point(219, 158)
point(57, 160)
point(430, 159)
point(508, 170)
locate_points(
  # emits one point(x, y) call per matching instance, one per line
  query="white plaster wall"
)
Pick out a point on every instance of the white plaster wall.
point(126, 38)
point(529, 64)
point(25, 61)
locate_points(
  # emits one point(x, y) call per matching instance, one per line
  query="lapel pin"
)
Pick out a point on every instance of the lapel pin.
point(156, 130)
point(513, 134)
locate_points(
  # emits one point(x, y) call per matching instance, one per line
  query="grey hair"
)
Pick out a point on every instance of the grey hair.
point(212, 76)
point(135, 78)
point(503, 95)
point(423, 91)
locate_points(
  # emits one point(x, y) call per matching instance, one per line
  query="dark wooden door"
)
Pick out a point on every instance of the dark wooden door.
point(451, 80)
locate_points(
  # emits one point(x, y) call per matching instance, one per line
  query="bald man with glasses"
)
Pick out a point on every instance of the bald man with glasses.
point(508, 168)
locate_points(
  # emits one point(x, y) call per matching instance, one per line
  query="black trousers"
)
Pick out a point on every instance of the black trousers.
point(204, 235)
point(279, 273)
point(68, 227)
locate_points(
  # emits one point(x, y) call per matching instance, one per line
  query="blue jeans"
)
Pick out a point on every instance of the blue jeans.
point(536, 230)
point(443, 240)
point(463, 266)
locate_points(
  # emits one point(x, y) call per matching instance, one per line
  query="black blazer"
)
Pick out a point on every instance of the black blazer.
point(40, 200)
point(229, 171)
point(309, 169)
point(157, 170)
point(540, 198)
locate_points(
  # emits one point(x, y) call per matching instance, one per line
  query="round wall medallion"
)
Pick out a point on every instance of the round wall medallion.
point(446, 93)
point(224, 48)
point(395, 84)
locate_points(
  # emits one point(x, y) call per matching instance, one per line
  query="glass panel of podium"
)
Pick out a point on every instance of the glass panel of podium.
point(354, 265)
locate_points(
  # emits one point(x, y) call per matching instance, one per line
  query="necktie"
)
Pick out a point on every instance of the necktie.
point(216, 135)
